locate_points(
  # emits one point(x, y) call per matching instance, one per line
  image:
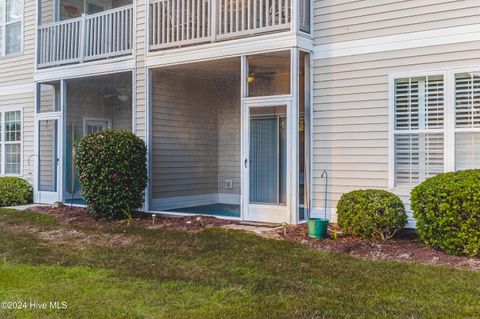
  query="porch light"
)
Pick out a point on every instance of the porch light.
point(251, 78)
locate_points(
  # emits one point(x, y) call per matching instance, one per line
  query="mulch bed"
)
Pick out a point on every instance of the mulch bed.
point(79, 216)
point(405, 247)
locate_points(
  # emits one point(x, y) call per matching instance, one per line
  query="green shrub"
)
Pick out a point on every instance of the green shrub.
point(447, 210)
point(112, 169)
point(15, 191)
point(371, 214)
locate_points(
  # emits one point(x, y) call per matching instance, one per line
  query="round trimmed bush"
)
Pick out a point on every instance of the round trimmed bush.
point(447, 210)
point(371, 214)
point(112, 169)
point(15, 191)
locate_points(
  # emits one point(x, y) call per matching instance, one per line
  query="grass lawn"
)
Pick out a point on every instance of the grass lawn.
point(214, 273)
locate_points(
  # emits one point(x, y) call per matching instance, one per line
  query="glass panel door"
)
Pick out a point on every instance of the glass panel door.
point(266, 145)
point(48, 160)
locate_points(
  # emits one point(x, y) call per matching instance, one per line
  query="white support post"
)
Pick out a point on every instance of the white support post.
point(81, 47)
point(213, 19)
point(294, 180)
point(449, 134)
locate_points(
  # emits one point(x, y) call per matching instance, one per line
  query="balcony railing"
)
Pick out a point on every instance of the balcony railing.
point(90, 37)
point(176, 23)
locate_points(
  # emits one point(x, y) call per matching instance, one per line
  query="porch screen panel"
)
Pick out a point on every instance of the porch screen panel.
point(467, 121)
point(419, 124)
point(264, 160)
point(47, 170)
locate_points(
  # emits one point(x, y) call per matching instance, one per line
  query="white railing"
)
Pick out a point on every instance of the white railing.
point(179, 22)
point(245, 17)
point(176, 23)
point(102, 35)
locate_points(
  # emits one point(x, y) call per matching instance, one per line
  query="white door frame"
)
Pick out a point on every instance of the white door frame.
point(46, 197)
point(266, 212)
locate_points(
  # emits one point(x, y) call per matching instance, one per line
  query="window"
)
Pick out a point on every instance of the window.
point(269, 74)
point(11, 142)
point(467, 121)
point(10, 26)
point(419, 129)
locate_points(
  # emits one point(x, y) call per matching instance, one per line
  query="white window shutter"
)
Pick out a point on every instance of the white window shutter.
point(419, 123)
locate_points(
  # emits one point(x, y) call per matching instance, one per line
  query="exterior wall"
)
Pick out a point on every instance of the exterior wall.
point(229, 138)
point(351, 109)
point(184, 136)
point(345, 20)
point(18, 68)
point(140, 69)
point(195, 136)
point(17, 90)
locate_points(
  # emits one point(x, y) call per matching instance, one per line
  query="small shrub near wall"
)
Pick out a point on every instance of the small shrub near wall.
point(15, 191)
point(371, 213)
point(447, 210)
point(112, 169)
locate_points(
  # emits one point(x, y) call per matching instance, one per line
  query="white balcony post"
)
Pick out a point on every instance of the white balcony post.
point(81, 47)
point(295, 4)
point(213, 19)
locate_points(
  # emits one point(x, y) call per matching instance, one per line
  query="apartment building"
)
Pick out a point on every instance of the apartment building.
point(259, 110)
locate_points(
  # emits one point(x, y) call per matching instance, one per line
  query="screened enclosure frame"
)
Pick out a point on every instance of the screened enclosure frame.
point(292, 97)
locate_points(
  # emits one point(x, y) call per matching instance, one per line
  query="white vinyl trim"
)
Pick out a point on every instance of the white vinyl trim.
point(397, 42)
point(3, 142)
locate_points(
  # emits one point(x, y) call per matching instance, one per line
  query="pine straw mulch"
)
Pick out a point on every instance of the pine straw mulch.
point(79, 216)
point(406, 246)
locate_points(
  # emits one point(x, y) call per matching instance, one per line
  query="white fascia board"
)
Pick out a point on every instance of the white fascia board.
point(17, 89)
point(461, 34)
point(225, 49)
point(85, 69)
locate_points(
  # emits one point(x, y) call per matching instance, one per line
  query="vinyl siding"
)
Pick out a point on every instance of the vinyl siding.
point(140, 69)
point(195, 136)
point(350, 114)
point(345, 20)
point(18, 68)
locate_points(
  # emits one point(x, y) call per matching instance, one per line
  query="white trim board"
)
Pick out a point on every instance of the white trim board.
point(17, 89)
point(114, 65)
point(162, 204)
point(461, 34)
point(226, 49)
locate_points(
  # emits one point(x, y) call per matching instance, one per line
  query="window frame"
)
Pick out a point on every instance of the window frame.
point(450, 128)
point(3, 142)
point(3, 26)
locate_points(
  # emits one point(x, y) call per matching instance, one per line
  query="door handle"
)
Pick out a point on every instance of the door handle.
point(246, 162)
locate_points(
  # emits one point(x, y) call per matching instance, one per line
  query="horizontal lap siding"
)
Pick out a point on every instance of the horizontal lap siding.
point(345, 20)
point(351, 106)
point(140, 70)
point(184, 136)
point(18, 68)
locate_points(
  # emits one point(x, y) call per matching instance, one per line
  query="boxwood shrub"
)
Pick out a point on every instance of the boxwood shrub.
point(371, 213)
point(15, 191)
point(447, 210)
point(112, 169)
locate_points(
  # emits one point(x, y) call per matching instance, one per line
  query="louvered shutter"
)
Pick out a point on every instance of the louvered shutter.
point(467, 121)
point(419, 122)
point(467, 100)
point(467, 150)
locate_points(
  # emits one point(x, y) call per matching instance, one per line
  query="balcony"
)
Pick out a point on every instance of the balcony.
point(102, 35)
point(177, 23)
